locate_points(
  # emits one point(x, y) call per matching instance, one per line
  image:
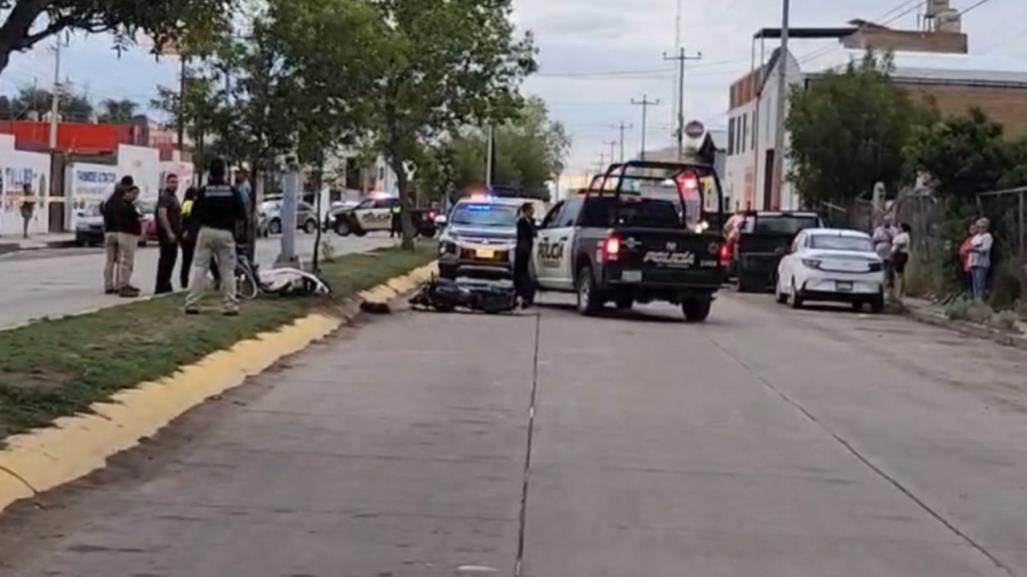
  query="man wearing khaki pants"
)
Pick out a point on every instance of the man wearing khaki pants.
point(218, 209)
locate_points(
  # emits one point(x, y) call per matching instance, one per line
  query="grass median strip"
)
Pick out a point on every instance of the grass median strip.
point(55, 368)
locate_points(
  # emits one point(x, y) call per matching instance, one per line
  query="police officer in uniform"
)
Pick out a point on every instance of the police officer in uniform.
point(523, 285)
point(218, 210)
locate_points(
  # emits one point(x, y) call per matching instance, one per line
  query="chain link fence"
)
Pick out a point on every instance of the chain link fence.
point(1007, 210)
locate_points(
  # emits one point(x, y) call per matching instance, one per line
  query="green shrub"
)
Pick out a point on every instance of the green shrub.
point(970, 311)
point(1006, 321)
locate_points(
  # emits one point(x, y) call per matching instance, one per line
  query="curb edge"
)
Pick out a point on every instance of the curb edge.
point(76, 446)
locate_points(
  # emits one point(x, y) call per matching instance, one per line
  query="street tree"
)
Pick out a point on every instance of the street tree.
point(964, 155)
point(199, 109)
point(37, 101)
point(26, 23)
point(848, 130)
point(118, 111)
point(530, 150)
point(444, 65)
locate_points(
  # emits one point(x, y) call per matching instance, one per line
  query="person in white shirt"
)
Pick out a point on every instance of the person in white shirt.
point(900, 258)
point(980, 258)
point(883, 236)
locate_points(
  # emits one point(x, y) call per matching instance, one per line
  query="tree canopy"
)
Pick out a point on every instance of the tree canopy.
point(848, 131)
point(444, 65)
point(530, 151)
point(964, 155)
point(117, 111)
point(74, 107)
point(26, 23)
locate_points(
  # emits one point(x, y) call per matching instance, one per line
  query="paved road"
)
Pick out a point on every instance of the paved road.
point(767, 442)
point(54, 282)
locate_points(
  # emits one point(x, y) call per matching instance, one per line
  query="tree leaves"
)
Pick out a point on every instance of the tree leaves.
point(167, 22)
point(848, 131)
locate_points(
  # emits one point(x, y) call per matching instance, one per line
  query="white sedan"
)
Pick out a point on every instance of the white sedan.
point(828, 264)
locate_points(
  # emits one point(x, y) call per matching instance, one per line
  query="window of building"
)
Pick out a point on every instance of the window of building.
point(745, 130)
point(755, 126)
point(731, 137)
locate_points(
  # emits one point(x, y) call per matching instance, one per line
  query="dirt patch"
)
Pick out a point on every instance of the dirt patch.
point(36, 379)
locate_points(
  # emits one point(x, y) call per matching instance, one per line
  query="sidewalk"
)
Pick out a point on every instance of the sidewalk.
point(928, 312)
point(12, 243)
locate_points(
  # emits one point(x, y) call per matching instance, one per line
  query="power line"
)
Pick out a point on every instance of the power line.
point(974, 7)
point(605, 73)
point(901, 6)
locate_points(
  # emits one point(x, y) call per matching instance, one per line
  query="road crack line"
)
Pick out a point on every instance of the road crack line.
point(523, 519)
point(880, 472)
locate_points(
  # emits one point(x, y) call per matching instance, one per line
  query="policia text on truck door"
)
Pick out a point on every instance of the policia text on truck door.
point(639, 234)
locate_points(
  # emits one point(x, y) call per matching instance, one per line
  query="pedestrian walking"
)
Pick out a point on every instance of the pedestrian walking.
point(980, 258)
point(128, 224)
point(523, 284)
point(900, 258)
point(110, 234)
point(169, 228)
point(964, 258)
point(218, 209)
point(883, 238)
point(28, 208)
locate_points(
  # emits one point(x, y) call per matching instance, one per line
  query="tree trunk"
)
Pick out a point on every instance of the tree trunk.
point(402, 184)
point(16, 31)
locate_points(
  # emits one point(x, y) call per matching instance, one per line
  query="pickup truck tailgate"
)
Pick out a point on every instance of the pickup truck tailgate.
point(761, 252)
point(668, 257)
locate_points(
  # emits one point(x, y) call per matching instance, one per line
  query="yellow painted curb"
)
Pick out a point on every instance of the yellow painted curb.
point(400, 285)
point(76, 446)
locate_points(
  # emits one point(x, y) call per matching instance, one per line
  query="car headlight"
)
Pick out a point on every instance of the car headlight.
point(447, 247)
point(812, 263)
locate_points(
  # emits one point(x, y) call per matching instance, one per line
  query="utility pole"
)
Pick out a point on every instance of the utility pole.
point(490, 151)
point(55, 98)
point(645, 103)
point(622, 127)
point(613, 148)
point(782, 109)
point(682, 57)
point(181, 102)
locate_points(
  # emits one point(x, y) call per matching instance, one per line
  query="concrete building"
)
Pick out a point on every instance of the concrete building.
point(931, 66)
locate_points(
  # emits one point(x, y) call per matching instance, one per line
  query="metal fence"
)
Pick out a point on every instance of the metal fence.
point(1007, 210)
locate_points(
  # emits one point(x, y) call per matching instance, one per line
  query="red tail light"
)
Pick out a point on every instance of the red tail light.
point(610, 248)
point(725, 254)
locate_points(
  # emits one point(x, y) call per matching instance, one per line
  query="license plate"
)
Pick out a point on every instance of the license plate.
point(485, 253)
point(844, 286)
point(631, 276)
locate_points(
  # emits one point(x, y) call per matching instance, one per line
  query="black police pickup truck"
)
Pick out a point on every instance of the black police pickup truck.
point(638, 234)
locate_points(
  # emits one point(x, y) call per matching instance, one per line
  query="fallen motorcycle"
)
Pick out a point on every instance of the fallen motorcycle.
point(445, 295)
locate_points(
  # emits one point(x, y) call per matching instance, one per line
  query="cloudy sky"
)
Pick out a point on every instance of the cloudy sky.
point(595, 56)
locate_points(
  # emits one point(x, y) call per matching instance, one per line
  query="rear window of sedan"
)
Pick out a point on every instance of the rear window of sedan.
point(851, 243)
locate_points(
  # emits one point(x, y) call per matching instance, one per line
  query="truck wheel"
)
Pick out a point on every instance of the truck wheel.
point(342, 227)
point(310, 227)
point(274, 227)
point(589, 300)
point(697, 309)
point(744, 283)
point(877, 305)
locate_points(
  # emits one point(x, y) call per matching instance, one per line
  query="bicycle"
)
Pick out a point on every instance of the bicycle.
point(251, 282)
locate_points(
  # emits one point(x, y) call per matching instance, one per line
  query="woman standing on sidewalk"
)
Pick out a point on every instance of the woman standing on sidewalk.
point(900, 258)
